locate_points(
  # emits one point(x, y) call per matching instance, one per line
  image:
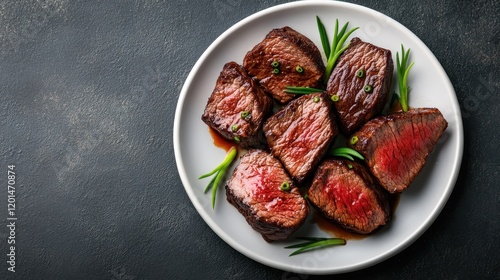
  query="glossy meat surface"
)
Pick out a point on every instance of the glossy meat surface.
point(355, 106)
point(301, 132)
point(396, 146)
point(290, 49)
point(345, 193)
point(234, 94)
point(255, 190)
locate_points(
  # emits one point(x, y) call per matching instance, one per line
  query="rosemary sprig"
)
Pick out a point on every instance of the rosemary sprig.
point(314, 243)
point(347, 153)
point(403, 71)
point(219, 172)
point(332, 53)
point(301, 90)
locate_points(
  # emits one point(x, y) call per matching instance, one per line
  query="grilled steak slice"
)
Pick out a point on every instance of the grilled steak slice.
point(289, 50)
point(345, 193)
point(238, 107)
point(300, 133)
point(361, 80)
point(255, 190)
point(396, 146)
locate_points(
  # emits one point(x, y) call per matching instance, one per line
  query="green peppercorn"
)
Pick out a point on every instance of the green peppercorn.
point(360, 73)
point(285, 186)
point(354, 140)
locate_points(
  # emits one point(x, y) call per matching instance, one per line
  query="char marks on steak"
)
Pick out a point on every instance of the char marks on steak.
point(355, 106)
point(235, 92)
point(290, 49)
point(396, 146)
point(345, 193)
point(300, 133)
point(254, 189)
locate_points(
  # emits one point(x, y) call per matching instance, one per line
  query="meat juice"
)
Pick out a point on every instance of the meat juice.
point(220, 141)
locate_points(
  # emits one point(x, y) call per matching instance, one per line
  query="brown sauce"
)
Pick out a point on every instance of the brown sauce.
point(396, 106)
point(220, 141)
point(335, 231)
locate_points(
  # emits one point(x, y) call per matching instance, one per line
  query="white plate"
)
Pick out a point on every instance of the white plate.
point(419, 205)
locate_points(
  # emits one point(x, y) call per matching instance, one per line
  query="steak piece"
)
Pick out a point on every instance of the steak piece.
point(255, 190)
point(288, 49)
point(238, 107)
point(361, 80)
point(396, 146)
point(345, 193)
point(299, 134)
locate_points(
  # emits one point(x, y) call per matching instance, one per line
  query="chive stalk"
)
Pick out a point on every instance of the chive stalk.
point(301, 90)
point(347, 153)
point(313, 243)
point(219, 172)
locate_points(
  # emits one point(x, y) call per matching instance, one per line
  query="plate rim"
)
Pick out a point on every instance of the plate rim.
point(357, 266)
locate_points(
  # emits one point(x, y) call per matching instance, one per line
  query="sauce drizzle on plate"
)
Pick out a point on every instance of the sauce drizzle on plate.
point(220, 141)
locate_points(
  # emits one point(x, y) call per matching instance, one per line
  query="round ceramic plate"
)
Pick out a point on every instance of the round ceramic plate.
point(419, 205)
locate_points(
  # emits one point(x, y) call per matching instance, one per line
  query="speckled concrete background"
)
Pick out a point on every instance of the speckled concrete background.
point(88, 91)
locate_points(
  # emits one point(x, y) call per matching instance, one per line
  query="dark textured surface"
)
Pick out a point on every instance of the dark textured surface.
point(88, 91)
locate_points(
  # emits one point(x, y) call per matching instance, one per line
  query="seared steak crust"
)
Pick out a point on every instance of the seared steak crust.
point(355, 106)
point(290, 49)
point(235, 93)
point(396, 146)
point(301, 132)
point(345, 193)
point(254, 189)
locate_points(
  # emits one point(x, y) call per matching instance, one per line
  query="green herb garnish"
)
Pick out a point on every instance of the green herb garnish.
point(347, 153)
point(332, 53)
point(324, 37)
point(301, 90)
point(285, 186)
point(219, 172)
point(315, 243)
point(354, 139)
point(360, 73)
point(403, 71)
